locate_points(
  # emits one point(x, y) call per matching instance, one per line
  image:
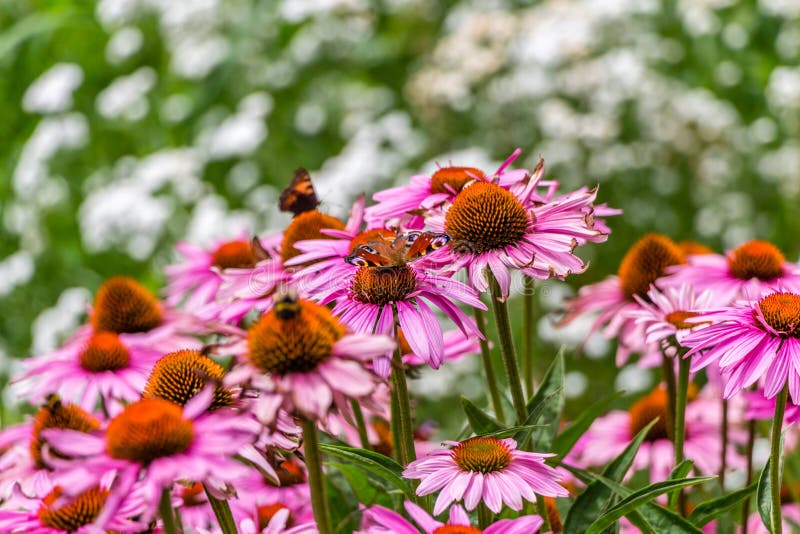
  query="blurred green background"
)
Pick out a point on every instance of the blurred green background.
point(129, 124)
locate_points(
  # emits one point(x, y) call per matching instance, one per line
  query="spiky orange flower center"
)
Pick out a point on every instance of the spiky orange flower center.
point(149, 429)
point(756, 259)
point(648, 408)
point(193, 495)
point(449, 179)
point(782, 312)
point(180, 375)
point(234, 255)
point(646, 261)
point(693, 248)
point(678, 319)
point(81, 511)
point(290, 472)
point(56, 414)
point(268, 511)
point(457, 529)
point(373, 285)
point(122, 305)
point(484, 217)
point(385, 444)
point(482, 455)
point(552, 515)
point(105, 352)
point(376, 234)
point(293, 342)
point(307, 225)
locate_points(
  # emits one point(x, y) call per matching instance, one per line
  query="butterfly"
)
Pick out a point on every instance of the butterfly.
point(299, 196)
point(405, 248)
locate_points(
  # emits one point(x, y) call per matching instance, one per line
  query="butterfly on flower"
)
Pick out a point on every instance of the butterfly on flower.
point(299, 196)
point(405, 248)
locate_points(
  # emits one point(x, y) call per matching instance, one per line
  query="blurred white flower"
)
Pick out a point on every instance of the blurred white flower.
point(15, 270)
point(123, 44)
point(52, 91)
point(126, 97)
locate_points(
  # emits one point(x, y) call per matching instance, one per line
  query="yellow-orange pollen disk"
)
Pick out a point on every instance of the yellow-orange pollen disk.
point(124, 306)
point(678, 319)
point(449, 179)
point(268, 511)
point(484, 217)
point(782, 312)
point(646, 261)
point(307, 225)
point(81, 511)
point(234, 255)
point(180, 375)
point(651, 406)
point(482, 455)
point(104, 352)
point(149, 429)
point(756, 259)
point(294, 338)
point(56, 414)
point(383, 285)
point(457, 529)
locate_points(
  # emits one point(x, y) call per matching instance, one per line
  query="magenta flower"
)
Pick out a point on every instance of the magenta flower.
point(380, 520)
point(743, 273)
point(484, 469)
point(456, 345)
point(154, 443)
point(752, 340)
point(760, 407)
point(302, 359)
point(611, 433)
point(664, 314)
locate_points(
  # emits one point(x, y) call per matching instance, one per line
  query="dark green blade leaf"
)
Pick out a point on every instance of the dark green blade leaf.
point(763, 494)
point(564, 442)
point(364, 490)
point(375, 463)
point(481, 422)
point(679, 471)
point(596, 497)
point(639, 498)
point(705, 512)
point(547, 405)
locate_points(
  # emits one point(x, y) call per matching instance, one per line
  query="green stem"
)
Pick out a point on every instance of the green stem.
point(166, 513)
point(527, 332)
point(668, 368)
point(484, 516)
point(222, 511)
point(488, 368)
point(405, 426)
point(776, 461)
point(394, 423)
point(541, 509)
point(361, 426)
point(316, 483)
point(680, 417)
point(751, 441)
point(723, 463)
point(509, 353)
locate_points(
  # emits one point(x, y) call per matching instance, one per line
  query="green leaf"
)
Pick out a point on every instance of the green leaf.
point(707, 511)
point(679, 471)
point(567, 439)
point(547, 404)
point(764, 492)
point(363, 488)
point(596, 497)
point(375, 463)
point(639, 498)
point(481, 422)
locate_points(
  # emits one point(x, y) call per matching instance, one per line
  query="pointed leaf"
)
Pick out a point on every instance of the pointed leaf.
point(375, 463)
point(679, 471)
point(547, 405)
point(639, 498)
point(481, 422)
point(764, 492)
point(567, 439)
point(706, 512)
point(363, 488)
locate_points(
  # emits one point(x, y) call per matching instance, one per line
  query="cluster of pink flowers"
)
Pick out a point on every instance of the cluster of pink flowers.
point(156, 411)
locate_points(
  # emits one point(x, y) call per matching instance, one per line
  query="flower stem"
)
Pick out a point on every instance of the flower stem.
point(668, 368)
point(491, 378)
point(776, 461)
point(751, 440)
point(723, 461)
point(527, 332)
point(222, 511)
point(361, 426)
point(484, 516)
point(509, 353)
point(394, 416)
point(166, 513)
point(680, 417)
point(316, 484)
point(541, 509)
point(405, 426)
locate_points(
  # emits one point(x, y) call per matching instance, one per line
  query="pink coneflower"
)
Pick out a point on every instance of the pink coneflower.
point(56, 512)
point(790, 511)
point(154, 443)
point(484, 469)
point(610, 434)
point(457, 345)
point(109, 359)
point(279, 522)
point(744, 272)
point(197, 278)
point(760, 407)
point(494, 228)
point(613, 298)
point(751, 340)
point(302, 358)
point(380, 520)
point(664, 314)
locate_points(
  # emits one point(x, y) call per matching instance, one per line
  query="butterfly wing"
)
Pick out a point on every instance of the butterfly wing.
point(299, 196)
point(369, 256)
point(419, 244)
